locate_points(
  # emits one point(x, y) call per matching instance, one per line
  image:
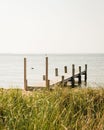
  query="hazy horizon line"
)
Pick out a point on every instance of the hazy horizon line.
point(48, 53)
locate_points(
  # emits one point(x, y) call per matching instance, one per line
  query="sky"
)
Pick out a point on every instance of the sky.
point(51, 26)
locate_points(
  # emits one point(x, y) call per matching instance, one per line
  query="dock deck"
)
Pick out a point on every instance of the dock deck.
point(59, 80)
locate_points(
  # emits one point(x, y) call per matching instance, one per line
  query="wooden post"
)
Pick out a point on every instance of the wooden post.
point(25, 74)
point(73, 73)
point(85, 74)
point(56, 71)
point(62, 80)
point(46, 78)
point(26, 85)
point(48, 86)
point(43, 77)
point(79, 77)
point(65, 69)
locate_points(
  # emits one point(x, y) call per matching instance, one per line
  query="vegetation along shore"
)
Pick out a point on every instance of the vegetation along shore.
point(60, 109)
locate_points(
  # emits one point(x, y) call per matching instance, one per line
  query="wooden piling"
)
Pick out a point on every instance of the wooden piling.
point(48, 86)
point(79, 77)
point(43, 77)
point(26, 85)
point(25, 74)
point(65, 69)
point(56, 71)
point(85, 74)
point(46, 78)
point(62, 80)
point(73, 73)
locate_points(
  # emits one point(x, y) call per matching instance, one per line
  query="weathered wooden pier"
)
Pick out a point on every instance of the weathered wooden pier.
point(71, 80)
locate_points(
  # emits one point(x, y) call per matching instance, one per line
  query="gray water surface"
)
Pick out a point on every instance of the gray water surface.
point(11, 67)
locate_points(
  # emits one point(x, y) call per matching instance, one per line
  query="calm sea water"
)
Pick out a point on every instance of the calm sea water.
point(11, 67)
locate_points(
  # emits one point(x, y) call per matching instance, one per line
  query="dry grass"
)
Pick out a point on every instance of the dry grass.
point(61, 109)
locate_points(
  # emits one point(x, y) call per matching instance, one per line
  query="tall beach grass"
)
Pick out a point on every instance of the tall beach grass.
point(61, 109)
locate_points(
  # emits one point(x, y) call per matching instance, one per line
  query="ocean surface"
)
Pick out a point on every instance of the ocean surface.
point(12, 67)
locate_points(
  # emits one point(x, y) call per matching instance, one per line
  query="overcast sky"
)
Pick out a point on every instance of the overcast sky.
point(51, 26)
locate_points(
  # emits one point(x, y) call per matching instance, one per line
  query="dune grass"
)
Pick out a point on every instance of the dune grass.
point(61, 109)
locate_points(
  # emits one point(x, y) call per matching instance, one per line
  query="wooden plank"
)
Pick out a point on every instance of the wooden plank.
point(31, 88)
point(83, 73)
point(68, 79)
point(76, 75)
point(72, 78)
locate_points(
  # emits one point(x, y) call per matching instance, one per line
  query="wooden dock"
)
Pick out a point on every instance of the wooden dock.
point(71, 79)
point(62, 82)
